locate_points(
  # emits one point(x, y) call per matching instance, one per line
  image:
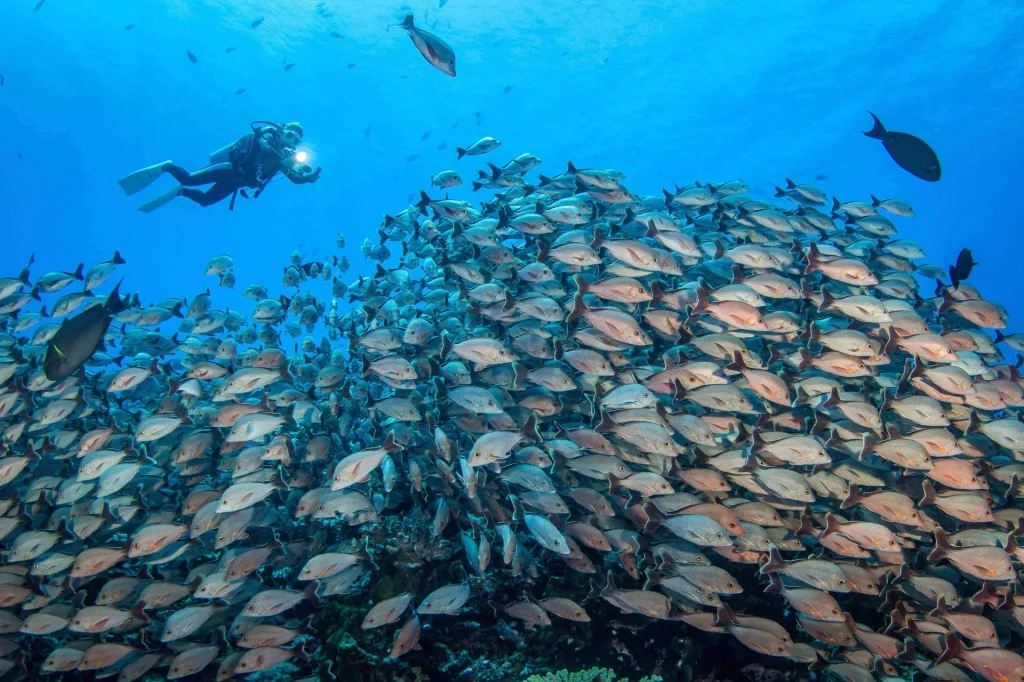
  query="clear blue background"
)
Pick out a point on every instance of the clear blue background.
point(671, 91)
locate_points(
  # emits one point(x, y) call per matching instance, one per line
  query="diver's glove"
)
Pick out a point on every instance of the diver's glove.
point(314, 176)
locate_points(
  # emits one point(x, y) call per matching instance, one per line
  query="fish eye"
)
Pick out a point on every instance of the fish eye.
point(840, 582)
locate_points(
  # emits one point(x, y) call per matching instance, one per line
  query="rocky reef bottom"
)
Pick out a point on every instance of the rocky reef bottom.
point(480, 646)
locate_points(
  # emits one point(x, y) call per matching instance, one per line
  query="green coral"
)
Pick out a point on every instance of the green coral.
point(590, 675)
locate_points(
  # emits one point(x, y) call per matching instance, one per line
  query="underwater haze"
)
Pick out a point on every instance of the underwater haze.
point(698, 371)
point(669, 92)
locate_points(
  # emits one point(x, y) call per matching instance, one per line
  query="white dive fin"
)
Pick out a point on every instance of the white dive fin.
point(141, 179)
point(153, 205)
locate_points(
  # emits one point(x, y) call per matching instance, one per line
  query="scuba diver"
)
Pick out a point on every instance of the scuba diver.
point(250, 163)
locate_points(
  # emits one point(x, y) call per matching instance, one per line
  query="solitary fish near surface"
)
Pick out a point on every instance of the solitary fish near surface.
point(437, 52)
point(912, 153)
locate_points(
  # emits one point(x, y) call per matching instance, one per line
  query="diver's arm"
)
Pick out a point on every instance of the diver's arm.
point(301, 174)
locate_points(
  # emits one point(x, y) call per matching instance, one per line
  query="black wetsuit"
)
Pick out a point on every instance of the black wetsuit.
point(252, 164)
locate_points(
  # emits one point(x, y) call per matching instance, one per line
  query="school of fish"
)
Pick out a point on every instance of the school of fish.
point(659, 392)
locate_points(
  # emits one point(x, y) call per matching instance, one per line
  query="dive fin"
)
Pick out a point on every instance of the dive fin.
point(141, 179)
point(153, 205)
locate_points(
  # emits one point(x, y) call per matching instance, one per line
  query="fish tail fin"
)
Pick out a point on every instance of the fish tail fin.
point(833, 399)
point(878, 131)
point(806, 359)
point(868, 444)
point(852, 498)
point(737, 274)
point(477, 186)
point(519, 374)
point(807, 526)
point(702, 303)
point(757, 443)
point(285, 373)
point(1000, 337)
point(827, 300)
point(598, 241)
point(668, 197)
point(928, 497)
point(737, 364)
point(390, 445)
point(423, 202)
point(652, 578)
point(875, 201)
point(138, 612)
point(407, 22)
point(779, 192)
point(940, 608)
point(117, 259)
point(726, 616)
point(941, 549)
point(570, 168)
point(775, 562)
point(581, 284)
point(558, 349)
point(947, 301)
point(775, 587)
point(313, 587)
point(813, 259)
point(973, 423)
point(530, 429)
point(78, 272)
point(579, 308)
point(952, 648)
point(831, 525)
point(460, 151)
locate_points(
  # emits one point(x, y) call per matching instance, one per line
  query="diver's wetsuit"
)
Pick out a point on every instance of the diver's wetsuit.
point(252, 165)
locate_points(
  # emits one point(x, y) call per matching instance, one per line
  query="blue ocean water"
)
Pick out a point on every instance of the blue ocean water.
point(668, 92)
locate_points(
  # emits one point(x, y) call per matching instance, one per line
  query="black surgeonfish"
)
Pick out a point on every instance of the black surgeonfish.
point(912, 153)
point(79, 337)
point(962, 270)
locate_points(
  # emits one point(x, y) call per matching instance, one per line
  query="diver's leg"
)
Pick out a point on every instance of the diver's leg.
point(218, 192)
point(221, 172)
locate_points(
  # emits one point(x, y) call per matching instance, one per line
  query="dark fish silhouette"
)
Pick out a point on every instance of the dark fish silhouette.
point(962, 270)
point(39, 4)
point(1, 80)
point(424, 136)
point(335, 34)
point(289, 67)
point(239, 91)
point(912, 153)
point(79, 337)
point(129, 27)
point(821, 176)
point(229, 50)
point(508, 89)
point(257, 22)
point(352, 65)
point(191, 57)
